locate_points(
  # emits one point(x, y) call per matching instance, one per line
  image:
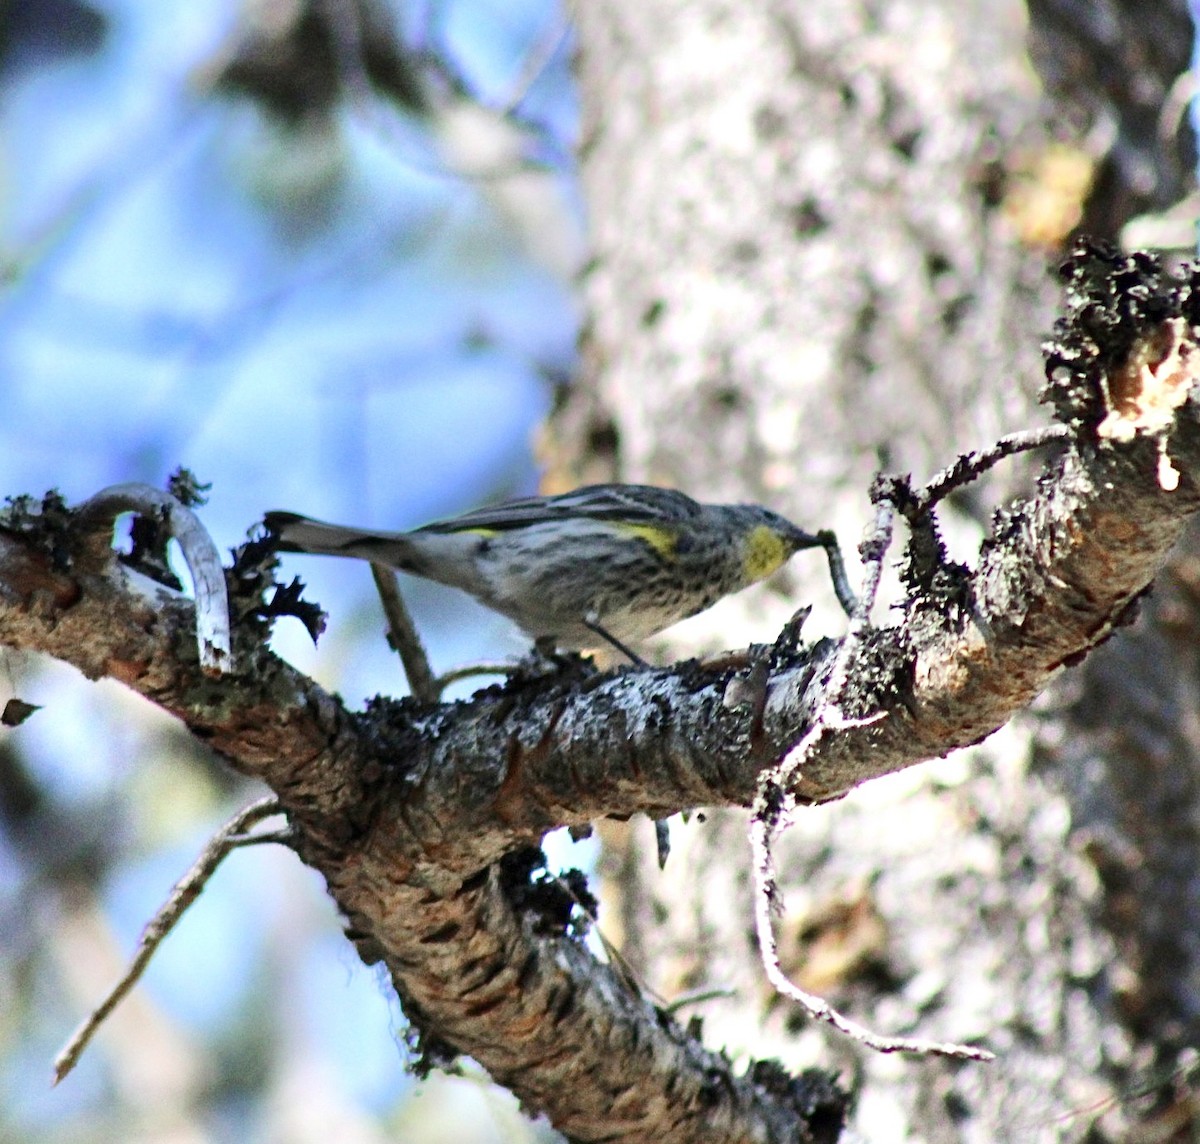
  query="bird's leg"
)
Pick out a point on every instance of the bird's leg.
point(544, 660)
point(593, 625)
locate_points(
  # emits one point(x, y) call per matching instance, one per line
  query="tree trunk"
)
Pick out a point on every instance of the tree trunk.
point(822, 236)
point(821, 239)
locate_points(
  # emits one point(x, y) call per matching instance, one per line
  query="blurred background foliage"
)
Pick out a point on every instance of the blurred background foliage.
point(320, 253)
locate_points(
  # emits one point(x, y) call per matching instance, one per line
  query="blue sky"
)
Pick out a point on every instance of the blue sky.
point(339, 322)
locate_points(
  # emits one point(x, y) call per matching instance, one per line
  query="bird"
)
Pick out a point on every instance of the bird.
point(609, 563)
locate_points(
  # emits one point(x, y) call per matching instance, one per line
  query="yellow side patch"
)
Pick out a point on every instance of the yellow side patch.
point(662, 541)
point(482, 531)
point(764, 552)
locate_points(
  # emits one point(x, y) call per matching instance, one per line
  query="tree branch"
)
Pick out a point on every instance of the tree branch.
point(94, 527)
point(183, 894)
point(406, 809)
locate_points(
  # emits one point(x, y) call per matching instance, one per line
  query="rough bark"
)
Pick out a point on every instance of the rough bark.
point(411, 812)
point(813, 254)
point(820, 239)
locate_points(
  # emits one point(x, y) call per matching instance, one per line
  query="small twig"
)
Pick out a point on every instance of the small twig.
point(815, 1006)
point(1181, 1077)
point(970, 466)
point(616, 958)
point(96, 517)
point(403, 636)
point(773, 805)
point(282, 837)
point(593, 625)
point(837, 571)
point(472, 669)
point(698, 997)
point(545, 48)
point(183, 894)
point(873, 549)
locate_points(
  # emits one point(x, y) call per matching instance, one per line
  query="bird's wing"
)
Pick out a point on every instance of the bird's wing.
point(634, 503)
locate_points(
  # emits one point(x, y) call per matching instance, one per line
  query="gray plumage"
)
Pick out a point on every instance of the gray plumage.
point(620, 562)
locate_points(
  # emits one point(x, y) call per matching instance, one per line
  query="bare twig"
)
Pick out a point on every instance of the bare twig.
point(698, 997)
point(872, 550)
point(773, 806)
point(404, 638)
point(815, 1006)
point(970, 466)
point(620, 965)
point(837, 571)
point(95, 519)
point(469, 670)
point(547, 45)
point(183, 894)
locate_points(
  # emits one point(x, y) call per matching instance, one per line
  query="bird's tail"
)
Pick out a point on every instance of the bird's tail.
point(295, 533)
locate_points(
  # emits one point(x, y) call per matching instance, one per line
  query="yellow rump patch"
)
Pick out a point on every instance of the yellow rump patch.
point(764, 552)
point(662, 541)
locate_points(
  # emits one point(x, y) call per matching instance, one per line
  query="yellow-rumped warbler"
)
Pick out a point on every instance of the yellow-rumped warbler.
point(611, 563)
